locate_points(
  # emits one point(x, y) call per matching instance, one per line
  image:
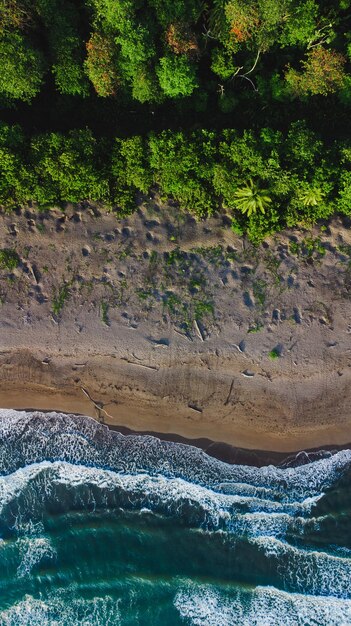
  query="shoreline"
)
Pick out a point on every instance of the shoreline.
point(242, 445)
point(220, 450)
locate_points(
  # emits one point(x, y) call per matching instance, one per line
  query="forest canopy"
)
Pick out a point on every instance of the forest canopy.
point(236, 104)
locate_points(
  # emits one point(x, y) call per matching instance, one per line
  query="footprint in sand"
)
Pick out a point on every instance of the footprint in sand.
point(60, 224)
point(248, 300)
point(127, 232)
point(13, 230)
point(35, 272)
point(248, 374)
point(297, 316)
point(76, 217)
point(151, 224)
point(276, 316)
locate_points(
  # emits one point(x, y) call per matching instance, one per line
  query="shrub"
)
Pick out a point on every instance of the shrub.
point(130, 171)
point(66, 168)
point(15, 176)
point(182, 167)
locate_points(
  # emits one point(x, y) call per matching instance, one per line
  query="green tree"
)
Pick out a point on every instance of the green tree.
point(300, 28)
point(144, 86)
point(256, 23)
point(261, 24)
point(129, 34)
point(65, 45)
point(68, 70)
point(177, 76)
point(223, 63)
point(22, 67)
point(137, 52)
point(177, 11)
point(111, 15)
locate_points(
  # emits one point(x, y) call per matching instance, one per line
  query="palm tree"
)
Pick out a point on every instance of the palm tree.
point(251, 198)
point(311, 197)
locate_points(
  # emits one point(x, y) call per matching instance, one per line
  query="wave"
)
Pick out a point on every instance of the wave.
point(62, 486)
point(262, 535)
point(27, 438)
point(262, 606)
point(272, 542)
point(56, 611)
point(197, 605)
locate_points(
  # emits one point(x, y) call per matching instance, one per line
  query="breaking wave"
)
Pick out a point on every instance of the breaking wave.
point(101, 528)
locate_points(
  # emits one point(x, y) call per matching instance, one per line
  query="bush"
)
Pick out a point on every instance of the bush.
point(344, 199)
point(182, 167)
point(15, 176)
point(66, 168)
point(130, 172)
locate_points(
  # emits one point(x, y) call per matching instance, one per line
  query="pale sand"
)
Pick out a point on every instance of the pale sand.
point(141, 369)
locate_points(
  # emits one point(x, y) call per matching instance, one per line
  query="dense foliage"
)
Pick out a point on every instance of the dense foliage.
point(266, 180)
point(240, 104)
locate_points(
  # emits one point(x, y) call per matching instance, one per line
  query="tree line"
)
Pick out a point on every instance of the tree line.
point(151, 51)
point(266, 180)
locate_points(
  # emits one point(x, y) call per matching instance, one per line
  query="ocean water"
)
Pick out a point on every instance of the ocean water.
point(101, 529)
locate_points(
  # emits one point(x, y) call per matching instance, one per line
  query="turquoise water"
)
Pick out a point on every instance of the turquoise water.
point(101, 529)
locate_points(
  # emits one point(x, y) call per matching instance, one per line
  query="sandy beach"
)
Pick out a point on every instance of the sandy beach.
point(163, 324)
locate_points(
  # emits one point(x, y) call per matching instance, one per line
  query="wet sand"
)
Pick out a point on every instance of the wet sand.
point(218, 449)
point(144, 412)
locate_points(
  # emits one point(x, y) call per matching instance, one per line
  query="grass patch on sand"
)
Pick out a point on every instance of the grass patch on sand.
point(274, 354)
point(104, 307)
point(60, 297)
point(9, 259)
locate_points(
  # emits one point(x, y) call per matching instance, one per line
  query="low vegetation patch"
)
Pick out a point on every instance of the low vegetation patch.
point(9, 259)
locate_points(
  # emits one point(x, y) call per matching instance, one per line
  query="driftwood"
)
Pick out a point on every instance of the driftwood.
point(230, 393)
point(149, 367)
point(99, 407)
